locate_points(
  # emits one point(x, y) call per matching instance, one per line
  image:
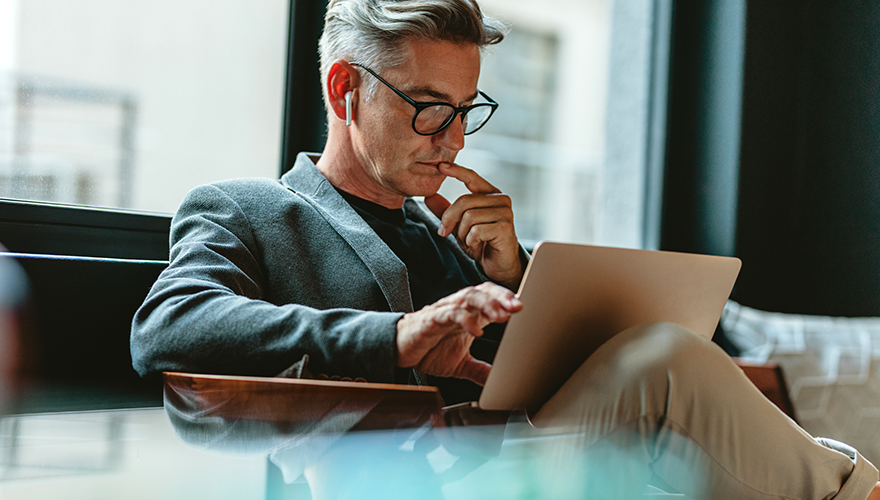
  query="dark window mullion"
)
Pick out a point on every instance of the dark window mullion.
point(305, 121)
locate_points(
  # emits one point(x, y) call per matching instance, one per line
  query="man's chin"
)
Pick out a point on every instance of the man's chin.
point(429, 189)
point(424, 185)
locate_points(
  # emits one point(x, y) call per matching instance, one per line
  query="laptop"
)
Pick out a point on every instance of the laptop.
point(576, 297)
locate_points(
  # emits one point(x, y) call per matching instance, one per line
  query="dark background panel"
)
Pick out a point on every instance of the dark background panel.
point(305, 120)
point(773, 149)
point(703, 123)
point(75, 338)
point(809, 200)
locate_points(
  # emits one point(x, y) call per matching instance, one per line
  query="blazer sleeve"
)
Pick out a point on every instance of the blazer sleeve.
point(207, 312)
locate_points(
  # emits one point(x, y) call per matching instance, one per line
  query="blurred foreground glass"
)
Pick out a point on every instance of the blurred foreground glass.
point(132, 103)
point(137, 454)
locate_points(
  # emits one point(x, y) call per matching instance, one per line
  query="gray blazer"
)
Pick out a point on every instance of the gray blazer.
point(262, 272)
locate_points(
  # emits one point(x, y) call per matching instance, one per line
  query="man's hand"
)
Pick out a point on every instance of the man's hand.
point(437, 338)
point(482, 222)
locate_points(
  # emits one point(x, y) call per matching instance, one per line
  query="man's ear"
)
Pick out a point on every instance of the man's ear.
point(341, 79)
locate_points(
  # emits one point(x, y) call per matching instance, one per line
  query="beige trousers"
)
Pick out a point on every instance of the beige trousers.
point(673, 405)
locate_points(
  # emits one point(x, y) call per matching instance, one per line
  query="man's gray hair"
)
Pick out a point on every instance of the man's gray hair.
point(372, 32)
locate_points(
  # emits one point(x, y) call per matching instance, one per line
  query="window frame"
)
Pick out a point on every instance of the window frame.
point(56, 229)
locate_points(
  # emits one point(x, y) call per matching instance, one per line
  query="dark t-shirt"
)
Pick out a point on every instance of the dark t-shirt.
point(433, 274)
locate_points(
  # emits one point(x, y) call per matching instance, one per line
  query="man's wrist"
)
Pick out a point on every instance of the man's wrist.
point(511, 284)
point(401, 340)
point(513, 280)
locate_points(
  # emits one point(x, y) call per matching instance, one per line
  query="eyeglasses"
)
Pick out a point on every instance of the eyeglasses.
point(432, 117)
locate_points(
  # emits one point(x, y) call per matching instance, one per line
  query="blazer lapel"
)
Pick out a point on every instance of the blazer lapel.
point(306, 181)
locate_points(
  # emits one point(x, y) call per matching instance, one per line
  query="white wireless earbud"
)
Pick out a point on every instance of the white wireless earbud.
point(348, 108)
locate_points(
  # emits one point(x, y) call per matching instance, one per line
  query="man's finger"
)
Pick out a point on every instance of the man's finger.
point(471, 309)
point(437, 204)
point(468, 318)
point(481, 219)
point(494, 203)
point(495, 303)
point(508, 299)
point(476, 371)
point(471, 321)
point(470, 178)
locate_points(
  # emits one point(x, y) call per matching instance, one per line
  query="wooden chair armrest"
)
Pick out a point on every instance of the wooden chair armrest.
point(769, 379)
point(287, 401)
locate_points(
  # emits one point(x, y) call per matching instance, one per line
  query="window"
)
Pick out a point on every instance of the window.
point(131, 103)
point(569, 140)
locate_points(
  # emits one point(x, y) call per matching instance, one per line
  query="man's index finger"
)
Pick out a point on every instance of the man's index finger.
point(470, 179)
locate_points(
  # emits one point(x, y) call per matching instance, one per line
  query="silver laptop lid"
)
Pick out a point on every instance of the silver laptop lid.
point(575, 297)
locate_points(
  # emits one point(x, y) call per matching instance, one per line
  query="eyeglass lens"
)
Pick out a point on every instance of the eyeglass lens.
point(430, 120)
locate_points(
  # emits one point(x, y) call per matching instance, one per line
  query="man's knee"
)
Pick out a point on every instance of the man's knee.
point(657, 351)
point(633, 375)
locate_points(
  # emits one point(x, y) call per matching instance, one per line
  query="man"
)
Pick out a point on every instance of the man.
point(336, 262)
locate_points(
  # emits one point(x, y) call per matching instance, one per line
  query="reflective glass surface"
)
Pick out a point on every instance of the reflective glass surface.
point(247, 440)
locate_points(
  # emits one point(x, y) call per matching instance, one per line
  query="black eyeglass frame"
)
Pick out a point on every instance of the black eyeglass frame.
point(420, 106)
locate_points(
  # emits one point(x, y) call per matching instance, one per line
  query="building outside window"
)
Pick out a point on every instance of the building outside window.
point(132, 103)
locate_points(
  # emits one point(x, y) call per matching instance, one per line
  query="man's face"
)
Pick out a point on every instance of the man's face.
point(398, 161)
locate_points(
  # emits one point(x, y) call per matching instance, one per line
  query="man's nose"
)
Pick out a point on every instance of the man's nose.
point(451, 137)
